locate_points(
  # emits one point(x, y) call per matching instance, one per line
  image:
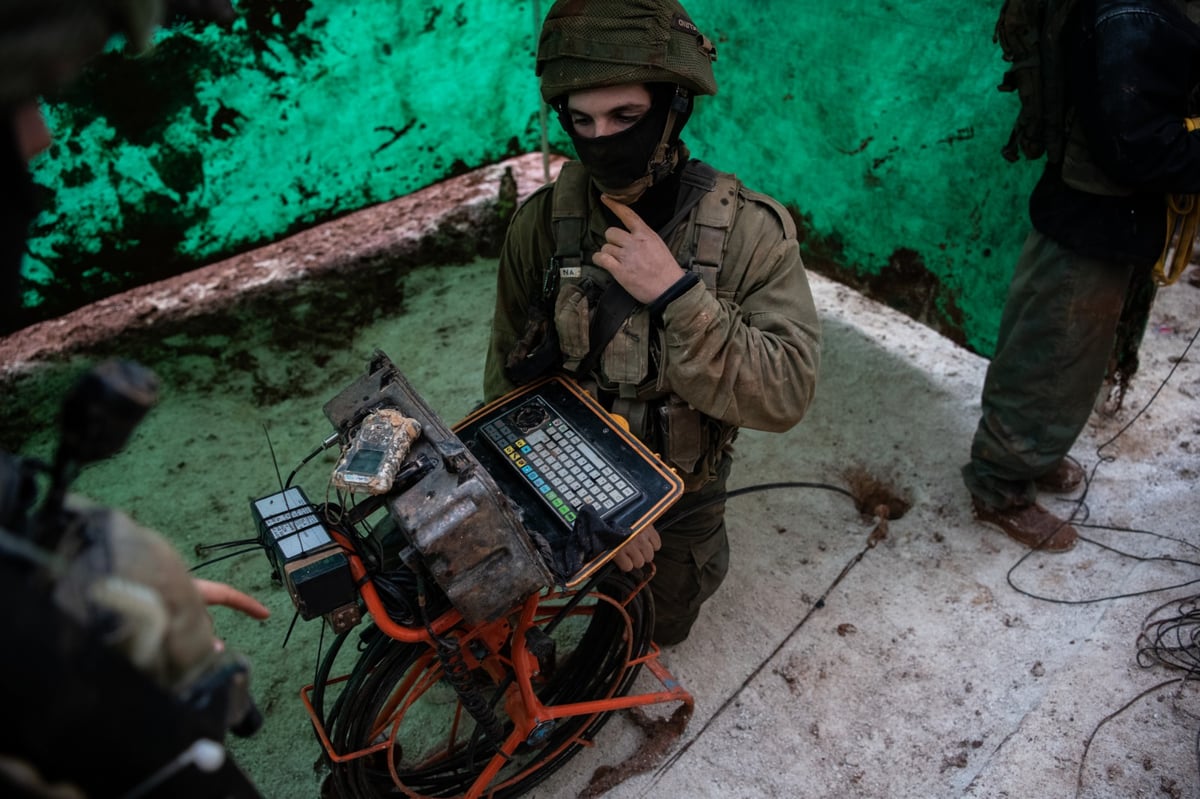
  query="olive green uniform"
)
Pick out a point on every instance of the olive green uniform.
point(1082, 288)
point(743, 352)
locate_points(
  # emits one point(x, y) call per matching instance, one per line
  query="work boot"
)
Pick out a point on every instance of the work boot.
point(1064, 478)
point(1031, 525)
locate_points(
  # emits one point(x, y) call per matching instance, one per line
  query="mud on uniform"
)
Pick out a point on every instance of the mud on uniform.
point(740, 348)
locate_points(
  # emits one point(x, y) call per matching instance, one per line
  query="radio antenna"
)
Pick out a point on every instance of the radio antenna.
point(274, 460)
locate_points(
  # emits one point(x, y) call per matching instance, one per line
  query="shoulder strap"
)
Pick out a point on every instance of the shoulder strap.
point(570, 210)
point(711, 194)
point(711, 226)
point(568, 218)
point(612, 309)
point(698, 179)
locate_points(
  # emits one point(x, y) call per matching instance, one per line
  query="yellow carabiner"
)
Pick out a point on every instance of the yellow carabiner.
point(1183, 223)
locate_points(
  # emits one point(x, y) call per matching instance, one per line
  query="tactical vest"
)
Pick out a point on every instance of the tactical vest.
point(627, 375)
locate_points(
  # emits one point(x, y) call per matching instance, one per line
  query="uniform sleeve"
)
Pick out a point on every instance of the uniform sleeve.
point(750, 361)
point(1134, 120)
point(524, 257)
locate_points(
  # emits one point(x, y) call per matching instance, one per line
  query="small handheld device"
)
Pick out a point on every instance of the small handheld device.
point(376, 450)
point(311, 564)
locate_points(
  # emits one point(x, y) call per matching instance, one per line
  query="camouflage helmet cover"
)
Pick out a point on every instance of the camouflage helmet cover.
point(588, 44)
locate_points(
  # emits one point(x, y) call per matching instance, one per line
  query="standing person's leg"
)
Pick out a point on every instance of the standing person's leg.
point(1056, 337)
point(693, 560)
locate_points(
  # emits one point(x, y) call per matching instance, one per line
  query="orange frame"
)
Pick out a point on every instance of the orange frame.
point(524, 708)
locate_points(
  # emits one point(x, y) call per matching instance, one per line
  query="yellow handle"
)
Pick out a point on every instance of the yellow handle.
point(1183, 223)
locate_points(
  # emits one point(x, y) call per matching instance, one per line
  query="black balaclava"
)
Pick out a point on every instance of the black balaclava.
point(621, 164)
point(16, 213)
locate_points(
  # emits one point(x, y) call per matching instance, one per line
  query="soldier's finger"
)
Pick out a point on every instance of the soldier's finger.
point(650, 534)
point(617, 236)
point(629, 217)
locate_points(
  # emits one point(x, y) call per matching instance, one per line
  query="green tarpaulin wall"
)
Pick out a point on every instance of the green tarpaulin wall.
point(878, 124)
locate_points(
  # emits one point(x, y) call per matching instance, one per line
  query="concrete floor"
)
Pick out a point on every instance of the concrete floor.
point(946, 661)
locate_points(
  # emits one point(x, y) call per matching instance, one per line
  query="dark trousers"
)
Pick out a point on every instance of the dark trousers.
point(1056, 338)
point(694, 558)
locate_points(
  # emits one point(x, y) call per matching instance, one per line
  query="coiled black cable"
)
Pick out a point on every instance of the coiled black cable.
point(597, 667)
point(1172, 640)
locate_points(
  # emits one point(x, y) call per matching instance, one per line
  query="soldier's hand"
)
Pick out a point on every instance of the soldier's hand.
point(639, 551)
point(636, 257)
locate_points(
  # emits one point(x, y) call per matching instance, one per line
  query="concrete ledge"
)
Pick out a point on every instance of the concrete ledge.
point(398, 230)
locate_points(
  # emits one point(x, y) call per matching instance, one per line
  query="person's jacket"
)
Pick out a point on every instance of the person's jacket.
point(1133, 67)
point(746, 355)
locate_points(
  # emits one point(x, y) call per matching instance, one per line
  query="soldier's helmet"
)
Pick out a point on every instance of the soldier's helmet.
point(589, 44)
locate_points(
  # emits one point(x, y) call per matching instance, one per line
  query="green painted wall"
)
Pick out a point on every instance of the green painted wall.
point(878, 124)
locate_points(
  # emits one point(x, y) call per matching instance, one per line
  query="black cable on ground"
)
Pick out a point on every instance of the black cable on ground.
point(1172, 642)
point(1087, 743)
point(1081, 513)
point(1118, 552)
point(753, 489)
point(244, 551)
point(878, 534)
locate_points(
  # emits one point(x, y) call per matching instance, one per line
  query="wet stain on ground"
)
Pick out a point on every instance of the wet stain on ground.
point(660, 736)
point(871, 493)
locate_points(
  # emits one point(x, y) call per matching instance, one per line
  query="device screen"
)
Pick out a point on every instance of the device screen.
point(365, 461)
